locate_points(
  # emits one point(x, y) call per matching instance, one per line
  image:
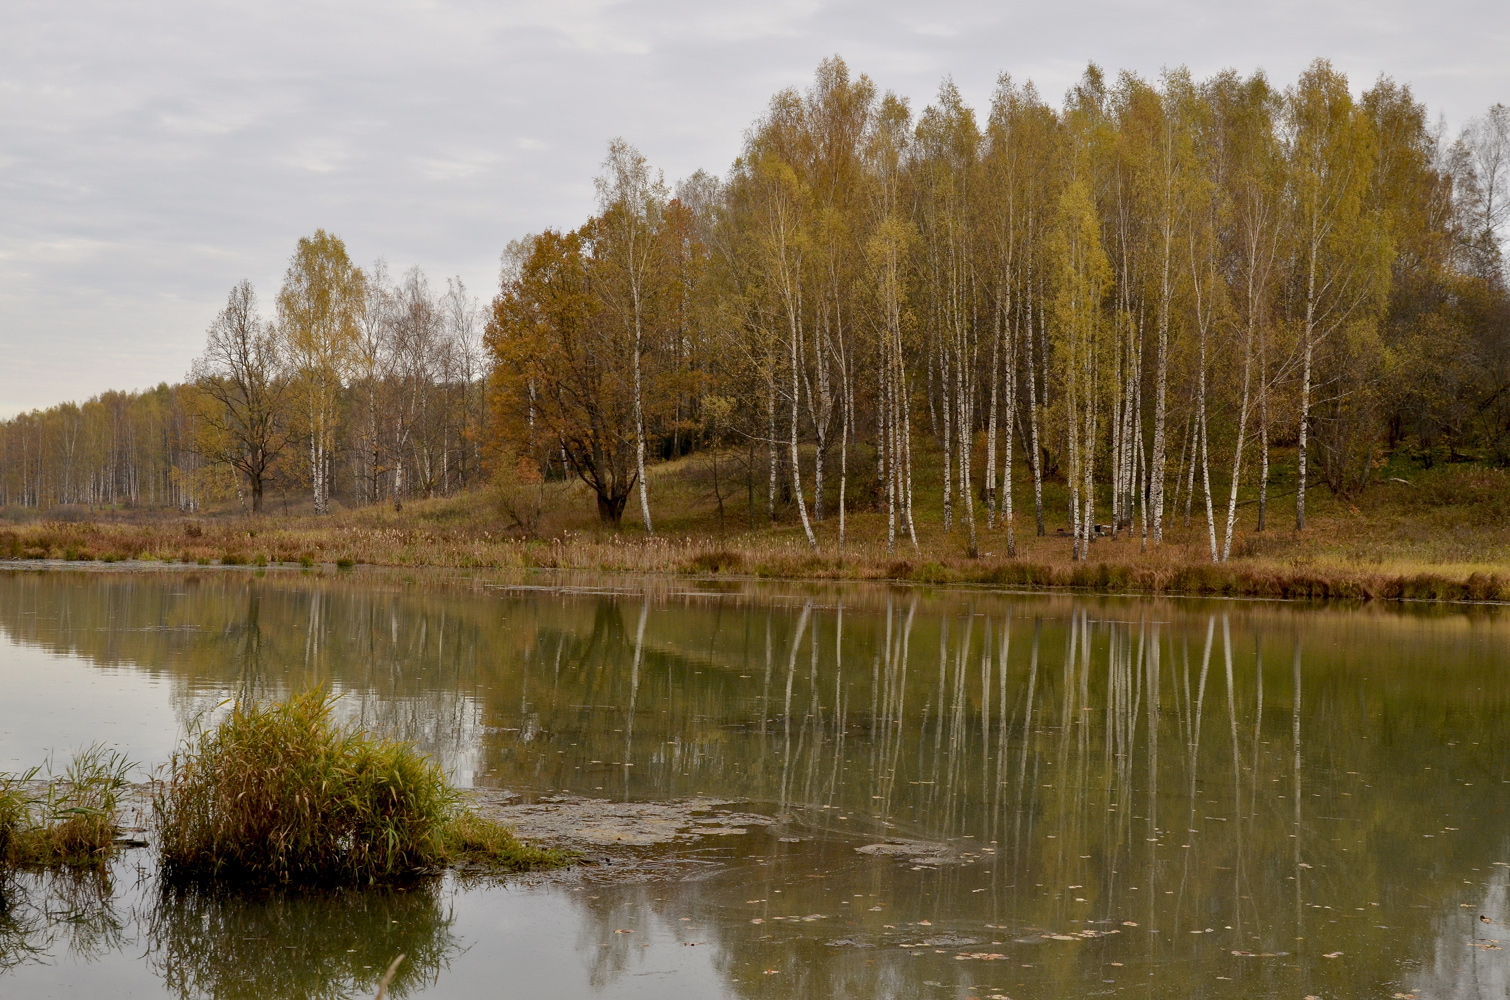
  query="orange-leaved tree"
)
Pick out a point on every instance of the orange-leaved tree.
point(562, 383)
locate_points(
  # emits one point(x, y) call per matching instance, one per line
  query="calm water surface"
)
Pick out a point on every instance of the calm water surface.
point(1128, 797)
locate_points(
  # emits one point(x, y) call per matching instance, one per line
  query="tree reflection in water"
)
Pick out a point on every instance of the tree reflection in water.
point(1253, 787)
point(322, 944)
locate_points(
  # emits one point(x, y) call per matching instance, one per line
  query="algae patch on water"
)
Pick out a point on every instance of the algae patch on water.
point(282, 793)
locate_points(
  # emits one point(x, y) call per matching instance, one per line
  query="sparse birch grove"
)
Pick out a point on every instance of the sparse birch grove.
point(1160, 302)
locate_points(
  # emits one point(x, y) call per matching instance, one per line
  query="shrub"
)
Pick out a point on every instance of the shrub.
point(283, 794)
point(344, 563)
point(72, 822)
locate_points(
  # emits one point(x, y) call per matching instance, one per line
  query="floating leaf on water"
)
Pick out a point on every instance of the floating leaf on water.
point(1332, 954)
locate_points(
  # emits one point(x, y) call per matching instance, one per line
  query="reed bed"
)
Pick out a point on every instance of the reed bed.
point(71, 821)
point(283, 794)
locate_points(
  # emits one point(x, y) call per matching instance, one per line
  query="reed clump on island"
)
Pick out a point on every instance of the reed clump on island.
point(71, 821)
point(284, 794)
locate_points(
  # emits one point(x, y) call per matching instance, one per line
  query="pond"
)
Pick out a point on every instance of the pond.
point(945, 794)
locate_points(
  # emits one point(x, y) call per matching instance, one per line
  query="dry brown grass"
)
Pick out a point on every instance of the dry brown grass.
point(1442, 534)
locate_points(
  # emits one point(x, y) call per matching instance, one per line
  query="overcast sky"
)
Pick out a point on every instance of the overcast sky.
point(153, 154)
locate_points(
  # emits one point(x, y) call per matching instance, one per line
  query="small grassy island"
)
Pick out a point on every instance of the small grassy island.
point(273, 795)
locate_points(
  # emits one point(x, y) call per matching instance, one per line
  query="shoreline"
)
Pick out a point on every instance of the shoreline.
point(1238, 580)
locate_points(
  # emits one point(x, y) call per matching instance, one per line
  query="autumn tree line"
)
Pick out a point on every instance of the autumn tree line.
point(1152, 296)
point(358, 385)
point(1162, 300)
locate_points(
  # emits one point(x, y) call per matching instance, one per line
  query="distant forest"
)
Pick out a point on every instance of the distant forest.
point(1160, 294)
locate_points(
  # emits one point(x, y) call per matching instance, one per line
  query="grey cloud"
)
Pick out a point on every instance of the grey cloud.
point(152, 155)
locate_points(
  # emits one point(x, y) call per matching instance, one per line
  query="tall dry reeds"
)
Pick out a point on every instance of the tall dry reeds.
point(282, 793)
point(69, 821)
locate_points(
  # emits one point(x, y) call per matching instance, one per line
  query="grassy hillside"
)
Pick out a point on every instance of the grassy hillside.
point(1440, 533)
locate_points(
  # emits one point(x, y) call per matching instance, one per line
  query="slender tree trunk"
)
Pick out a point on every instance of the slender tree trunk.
point(1088, 459)
point(1206, 481)
point(964, 414)
point(1305, 392)
point(771, 434)
point(848, 410)
point(1158, 471)
point(991, 422)
point(807, 526)
point(1201, 430)
point(1118, 404)
point(886, 443)
point(948, 427)
point(1008, 516)
point(1242, 426)
point(1140, 480)
point(818, 450)
point(639, 422)
point(1263, 432)
point(1032, 375)
point(1072, 433)
point(906, 444)
point(1187, 451)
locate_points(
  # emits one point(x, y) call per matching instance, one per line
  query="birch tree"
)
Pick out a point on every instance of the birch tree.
point(1336, 257)
point(631, 201)
point(888, 256)
point(948, 148)
point(1252, 180)
point(1082, 276)
point(318, 306)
